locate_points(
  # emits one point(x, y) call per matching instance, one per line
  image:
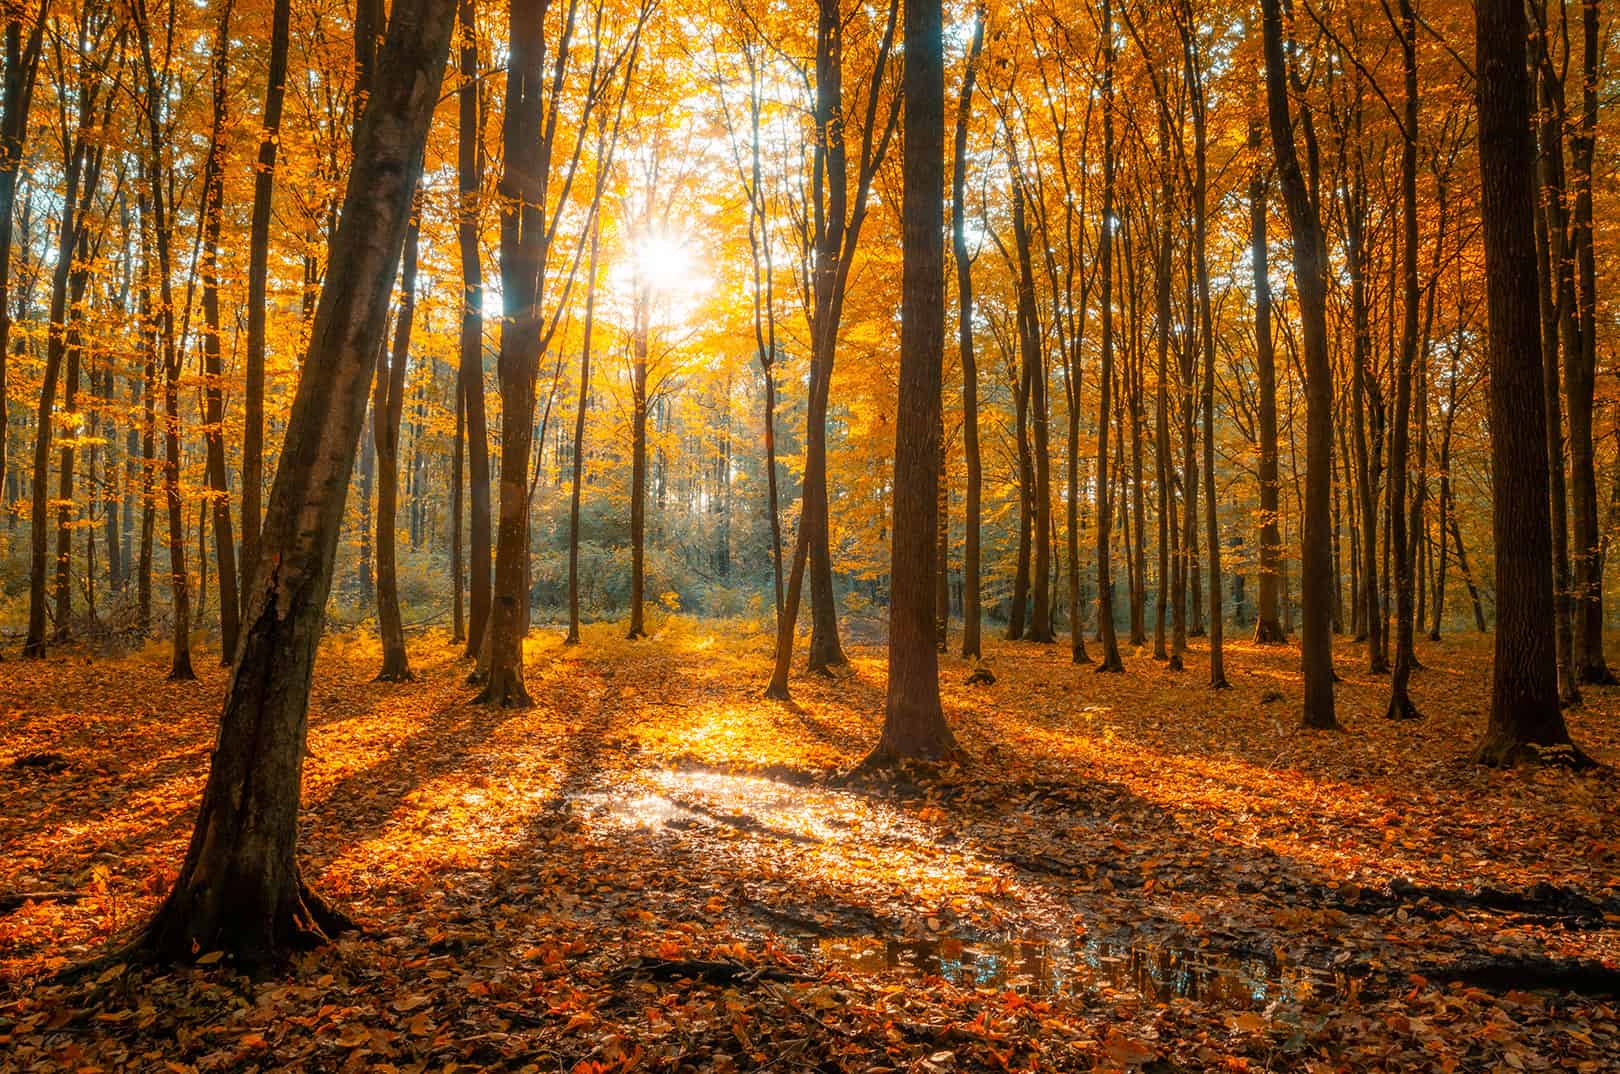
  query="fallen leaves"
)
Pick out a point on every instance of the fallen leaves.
point(654, 870)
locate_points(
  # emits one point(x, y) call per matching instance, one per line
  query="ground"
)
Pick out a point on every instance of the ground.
point(656, 869)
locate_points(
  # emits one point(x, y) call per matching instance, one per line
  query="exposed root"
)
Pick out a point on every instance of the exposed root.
point(1501, 752)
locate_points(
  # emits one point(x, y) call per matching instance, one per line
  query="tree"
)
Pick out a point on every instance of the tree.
point(16, 98)
point(971, 511)
point(239, 889)
point(387, 408)
point(1105, 377)
point(212, 223)
point(470, 176)
point(1268, 623)
point(914, 725)
point(1304, 220)
point(1525, 721)
point(1400, 701)
point(264, 181)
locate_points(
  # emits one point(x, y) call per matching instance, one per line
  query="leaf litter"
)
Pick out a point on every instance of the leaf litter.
point(656, 869)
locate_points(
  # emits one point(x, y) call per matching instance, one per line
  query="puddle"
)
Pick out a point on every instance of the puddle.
point(1157, 972)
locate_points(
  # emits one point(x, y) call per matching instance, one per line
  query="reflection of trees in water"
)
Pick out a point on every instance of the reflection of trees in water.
point(1155, 971)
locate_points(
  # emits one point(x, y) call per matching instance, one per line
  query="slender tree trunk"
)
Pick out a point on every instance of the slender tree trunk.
point(469, 172)
point(1109, 660)
point(1400, 701)
point(572, 637)
point(264, 181)
point(16, 96)
point(213, 363)
point(387, 410)
point(638, 481)
point(971, 521)
point(1268, 621)
point(1366, 480)
point(458, 510)
point(1563, 625)
point(1580, 372)
point(1316, 578)
point(1525, 720)
point(80, 187)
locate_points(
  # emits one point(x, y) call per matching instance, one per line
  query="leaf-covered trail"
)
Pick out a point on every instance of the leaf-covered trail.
point(656, 869)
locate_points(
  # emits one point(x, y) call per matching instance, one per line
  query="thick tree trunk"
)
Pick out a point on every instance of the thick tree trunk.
point(239, 889)
point(914, 725)
point(1316, 577)
point(1525, 719)
point(524, 169)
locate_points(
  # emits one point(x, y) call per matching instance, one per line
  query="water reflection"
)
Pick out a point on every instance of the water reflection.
point(1157, 971)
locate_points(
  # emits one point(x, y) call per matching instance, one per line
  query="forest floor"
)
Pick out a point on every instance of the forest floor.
point(655, 869)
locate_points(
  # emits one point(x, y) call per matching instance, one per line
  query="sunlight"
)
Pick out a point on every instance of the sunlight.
point(665, 270)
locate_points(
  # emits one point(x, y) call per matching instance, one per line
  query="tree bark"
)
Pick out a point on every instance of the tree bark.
point(914, 726)
point(1525, 721)
point(1268, 622)
point(239, 889)
point(470, 179)
point(1400, 700)
point(387, 409)
point(16, 97)
point(1316, 567)
point(264, 181)
point(213, 363)
point(1109, 660)
point(971, 509)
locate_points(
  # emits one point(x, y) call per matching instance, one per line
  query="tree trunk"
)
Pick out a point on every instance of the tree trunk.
point(524, 169)
point(16, 96)
point(1552, 386)
point(1525, 719)
point(264, 181)
point(1580, 372)
point(1109, 660)
point(914, 725)
point(1400, 701)
point(80, 180)
point(469, 172)
point(213, 363)
point(572, 637)
point(239, 889)
point(971, 646)
point(1268, 622)
point(387, 409)
point(1316, 568)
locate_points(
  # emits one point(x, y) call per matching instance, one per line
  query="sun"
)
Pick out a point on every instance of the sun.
point(665, 265)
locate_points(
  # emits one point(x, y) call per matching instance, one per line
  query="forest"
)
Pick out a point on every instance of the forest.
point(1005, 535)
